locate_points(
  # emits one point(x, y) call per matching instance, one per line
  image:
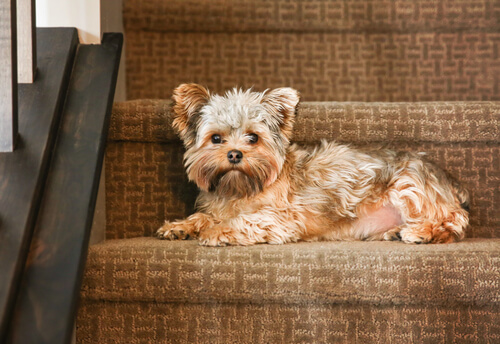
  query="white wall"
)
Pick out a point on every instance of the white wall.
point(92, 18)
point(82, 14)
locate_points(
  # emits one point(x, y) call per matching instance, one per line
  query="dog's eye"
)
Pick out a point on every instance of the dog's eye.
point(253, 138)
point(216, 138)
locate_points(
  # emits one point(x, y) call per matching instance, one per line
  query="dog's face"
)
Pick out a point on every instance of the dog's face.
point(235, 144)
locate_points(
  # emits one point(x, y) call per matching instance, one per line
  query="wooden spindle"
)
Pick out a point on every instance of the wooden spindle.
point(26, 41)
point(8, 75)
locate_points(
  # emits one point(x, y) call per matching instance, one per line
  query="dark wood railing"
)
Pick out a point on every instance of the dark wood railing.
point(18, 195)
point(52, 139)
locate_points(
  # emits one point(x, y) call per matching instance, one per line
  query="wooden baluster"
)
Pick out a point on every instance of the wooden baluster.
point(8, 75)
point(26, 41)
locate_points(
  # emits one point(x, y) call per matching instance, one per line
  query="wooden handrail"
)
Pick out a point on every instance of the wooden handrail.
point(63, 124)
point(23, 172)
point(46, 305)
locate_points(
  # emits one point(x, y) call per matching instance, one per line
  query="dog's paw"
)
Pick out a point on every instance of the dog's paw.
point(392, 235)
point(216, 236)
point(410, 237)
point(172, 231)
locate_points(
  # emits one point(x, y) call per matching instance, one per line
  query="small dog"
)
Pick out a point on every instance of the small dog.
point(256, 187)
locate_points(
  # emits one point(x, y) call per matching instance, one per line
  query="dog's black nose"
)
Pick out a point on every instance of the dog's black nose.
point(234, 156)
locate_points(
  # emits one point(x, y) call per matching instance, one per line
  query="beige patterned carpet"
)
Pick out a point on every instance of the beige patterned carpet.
point(420, 75)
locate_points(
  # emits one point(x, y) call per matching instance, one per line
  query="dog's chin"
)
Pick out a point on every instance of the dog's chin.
point(236, 184)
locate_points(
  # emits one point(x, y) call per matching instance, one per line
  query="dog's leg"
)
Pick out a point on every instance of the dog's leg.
point(430, 208)
point(186, 229)
point(232, 232)
point(270, 226)
point(422, 231)
point(225, 234)
point(441, 231)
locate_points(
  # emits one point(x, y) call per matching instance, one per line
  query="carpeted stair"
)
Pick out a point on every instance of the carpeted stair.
point(138, 289)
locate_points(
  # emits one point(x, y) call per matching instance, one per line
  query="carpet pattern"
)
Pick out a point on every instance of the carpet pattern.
point(147, 184)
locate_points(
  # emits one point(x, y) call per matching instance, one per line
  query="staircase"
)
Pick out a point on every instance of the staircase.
point(419, 75)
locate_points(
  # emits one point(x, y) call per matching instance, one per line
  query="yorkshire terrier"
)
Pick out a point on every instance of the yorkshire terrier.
point(256, 187)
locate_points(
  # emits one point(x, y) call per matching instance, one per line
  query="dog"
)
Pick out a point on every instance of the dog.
point(257, 187)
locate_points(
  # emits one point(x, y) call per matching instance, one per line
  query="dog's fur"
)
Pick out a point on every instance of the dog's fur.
point(280, 193)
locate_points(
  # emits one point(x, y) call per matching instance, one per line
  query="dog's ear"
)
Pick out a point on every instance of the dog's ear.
point(282, 103)
point(188, 100)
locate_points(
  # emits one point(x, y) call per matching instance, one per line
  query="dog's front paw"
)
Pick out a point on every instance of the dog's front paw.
point(173, 231)
point(392, 235)
point(411, 237)
point(216, 236)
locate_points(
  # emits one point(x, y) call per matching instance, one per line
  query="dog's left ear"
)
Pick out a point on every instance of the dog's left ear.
point(282, 102)
point(188, 100)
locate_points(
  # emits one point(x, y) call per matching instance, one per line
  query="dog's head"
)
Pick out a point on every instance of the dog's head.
point(236, 143)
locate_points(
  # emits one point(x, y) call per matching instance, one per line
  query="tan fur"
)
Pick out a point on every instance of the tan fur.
point(282, 193)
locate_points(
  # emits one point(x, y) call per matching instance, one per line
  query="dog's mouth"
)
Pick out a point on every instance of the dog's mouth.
point(235, 183)
point(232, 173)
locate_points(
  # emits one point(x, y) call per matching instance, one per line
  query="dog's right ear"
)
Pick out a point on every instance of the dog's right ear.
point(188, 100)
point(282, 103)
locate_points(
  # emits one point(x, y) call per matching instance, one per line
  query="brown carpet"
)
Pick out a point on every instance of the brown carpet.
point(441, 57)
point(156, 291)
point(380, 50)
point(144, 290)
point(146, 182)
